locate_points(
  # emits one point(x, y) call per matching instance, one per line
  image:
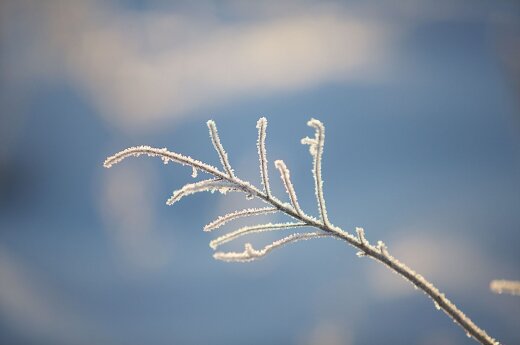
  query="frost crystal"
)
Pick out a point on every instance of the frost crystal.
point(316, 150)
point(250, 254)
point(361, 235)
point(252, 229)
point(210, 185)
point(286, 179)
point(213, 133)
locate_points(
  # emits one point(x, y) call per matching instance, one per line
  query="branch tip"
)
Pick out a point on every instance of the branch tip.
point(213, 133)
point(285, 174)
point(261, 125)
point(316, 151)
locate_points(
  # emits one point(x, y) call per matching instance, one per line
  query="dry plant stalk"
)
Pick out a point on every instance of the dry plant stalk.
point(511, 287)
point(225, 181)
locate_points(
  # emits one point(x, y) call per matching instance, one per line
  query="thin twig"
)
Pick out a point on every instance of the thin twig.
point(511, 287)
point(213, 133)
point(237, 214)
point(286, 179)
point(262, 154)
point(250, 253)
point(230, 236)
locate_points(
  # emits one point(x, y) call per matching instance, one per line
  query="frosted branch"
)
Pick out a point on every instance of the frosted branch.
point(224, 181)
point(210, 185)
point(250, 253)
point(286, 178)
point(381, 246)
point(252, 229)
point(262, 154)
point(165, 155)
point(361, 236)
point(316, 150)
point(213, 133)
point(511, 287)
point(237, 214)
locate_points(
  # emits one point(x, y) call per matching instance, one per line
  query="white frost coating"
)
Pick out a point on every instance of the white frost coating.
point(312, 144)
point(210, 185)
point(261, 125)
point(194, 172)
point(361, 235)
point(289, 188)
point(252, 229)
point(381, 246)
point(217, 223)
point(316, 150)
point(250, 253)
point(511, 287)
point(213, 133)
point(164, 154)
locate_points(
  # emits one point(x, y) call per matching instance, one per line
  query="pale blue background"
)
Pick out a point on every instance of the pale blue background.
point(427, 150)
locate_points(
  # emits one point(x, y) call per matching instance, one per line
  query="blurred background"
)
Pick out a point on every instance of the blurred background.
point(421, 101)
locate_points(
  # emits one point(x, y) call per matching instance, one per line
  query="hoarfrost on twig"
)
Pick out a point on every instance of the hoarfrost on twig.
point(250, 253)
point(361, 235)
point(237, 214)
point(253, 229)
point(213, 133)
point(262, 154)
point(201, 186)
point(316, 150)
point(381, 246)
point(286, 179)
point(226, 180)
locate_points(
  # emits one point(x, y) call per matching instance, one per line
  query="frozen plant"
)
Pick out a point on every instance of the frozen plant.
point(511, 287)
point(225, 180)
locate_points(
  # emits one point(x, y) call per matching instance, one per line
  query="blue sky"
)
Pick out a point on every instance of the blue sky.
point(421, 107)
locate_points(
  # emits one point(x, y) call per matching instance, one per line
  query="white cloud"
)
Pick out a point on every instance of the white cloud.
point(140, 68)
point(327, 332)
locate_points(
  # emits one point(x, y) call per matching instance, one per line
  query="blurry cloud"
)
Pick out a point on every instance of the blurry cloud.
point(126, 207)
point(141, 67)
point(32, 308)
point(328, 333)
